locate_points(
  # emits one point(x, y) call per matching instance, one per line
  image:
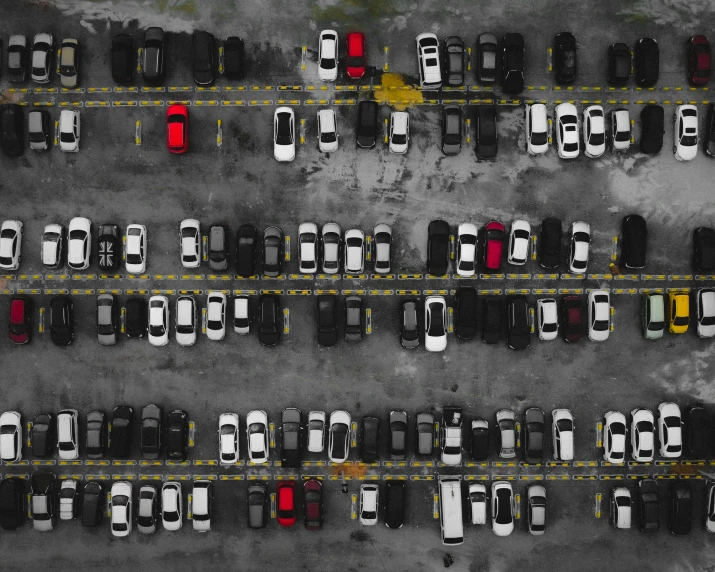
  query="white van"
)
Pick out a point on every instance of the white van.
point(450, 510)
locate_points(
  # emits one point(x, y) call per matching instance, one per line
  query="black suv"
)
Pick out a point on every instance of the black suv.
point(123, 58)
point(619, 64)
point(466, 322)
point(177, 435)
point(680, 516)
point(93, 504)
point(153, 55)
point(12, 503)
point(61, 321)
point(121, 433)
point(233, 55)
point(12, 130)
point(487, 132)
point(491, 319)
point(635, 237)
point(202, 58)
point(367, 124)
point(135, 319)
point(550, 243)
point(512, 64)
point(534, 435)
point(327, 320)
point(519, 329)
point(703, 249)
point(438, 247)
point(151, 431)
point(246, 241)
point(290, 431)
point(42, 435)
point(369, 439)
point(652, 129)
point(647, 62)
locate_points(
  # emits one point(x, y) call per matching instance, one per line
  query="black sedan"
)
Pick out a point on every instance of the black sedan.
point(233, 55)
point(246, 240)
point(269, 328)
point(518, 326)
point(512, 81)
point(709, 132)
point(290, 431)
point(12, 503)
point(487, 50)
point(550, 243)
point(370, 438)
point(647, 62)
point(652, 129)
point(453, 52)
point(619, 64)
point(12, 127)
point(136, 318)
point(491, 319)
point(42, 435)
point(177, 435)
point(704, 249)
point(151, 431)
point(487, 132)
point(61, 321)
point(697, 432)
point(680, 515)
point(353, 319)
point(409, 326)
point(121, 434)
point(438, 247)
point(327, 320)
point(123, 58)
point(466, 322)
point(367, 124)
point(635, 237)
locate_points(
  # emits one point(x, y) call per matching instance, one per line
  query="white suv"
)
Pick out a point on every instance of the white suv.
point(369, 501)
point(428, 61)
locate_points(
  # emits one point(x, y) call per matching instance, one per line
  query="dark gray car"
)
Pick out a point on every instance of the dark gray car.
point(218, 248)
point(534, 424)
point(398, 435)
point(151, 431)
point(153, 55)
point(272, 251)
point(290, 429)
point(409, 330)
point(96, 435)
point(425, 433)
point(353, 319)
point(256, 505)
point(106, 320)
point(451, 130)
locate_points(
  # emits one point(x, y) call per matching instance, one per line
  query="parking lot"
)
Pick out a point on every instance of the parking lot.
point(124, 174)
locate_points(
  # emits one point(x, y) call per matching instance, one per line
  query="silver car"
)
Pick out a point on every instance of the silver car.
point(272, 251)
point(507, 434)
point(148, 510)
point(382, 243)
point(106, 322)
point(425, 433)
point(331, 236)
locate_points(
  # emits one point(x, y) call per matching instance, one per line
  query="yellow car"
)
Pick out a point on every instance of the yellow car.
point(679, 312)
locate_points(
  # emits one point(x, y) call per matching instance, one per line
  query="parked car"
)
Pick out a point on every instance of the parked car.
point(394, 510)
point(135, 319)
point(537, 129)
point(398, 435)
point(435, 324)
point(284, 134)
point(518, 322)
point(355, 54)
point(478, 503)
point(172, 506)
point(52, 248)
point(438, 247)
point(228, 444)
point(466, 248)
point(339, 440)
point(579, 250)
point(642, 435)
point(594, 131)
point(599, 315)
point(492, 312)
point(120, 436)
point(699, 61)
point(11, 442)
point(703, 249)
point(328, 55)
point(652, 129)
point(153, 56)
point(135, 249)
point(354, 251)
point(571, 318)
point(453, 53)
point(272, 251)
point(563, 434)
point(151, 431)
point(42, 52)
point(17, 56)
point(480, 440)
point(493, 245)
point(12, 130)
point(648, 505)
point(536, 511)
point(38, 129)
point(550, 243)
point(465, 324)
point(79, 248)
point(95, 435)
point(202, 58)
point(42, 435)
point(646, 62)
point(512, 67)
point(257, 436)
point(451, 129)
point(12, 503)
point(308, 248)
point(69, 63)
point(42, 501)
point(68, 434)
point(369, 502)
point(620, 130)
point(409, 326)
point(327, 320)
point(567, 139)
point(547, 318)
point(177, 128)
point(10, 244)
point(710, 508)
point(399, 136)
point(246, 250)
point(233, 58)
point(428, 61)
point(614, 437)
point(505, 422)
point(190, 243)
point(451, 436)
point(256, 505)
point(680, 515)
point(519, 243)
point(634, 237)
point(22, 309)
point(487, 50)
point(61, 321)
point(218, 247)
point(709, 132)
point(621, 507)
point(685, 132)
point(69, 131)
point(679, 312)
point(148, 509)
point(487, 134)
point(291, 438)
point(697, 432)
point(269, 326)
point(122, 508)
point(670, 430)
point(534, 435)
point(565, 62)
point(109, 249)
point(123, 58)
point(502, 508)
point(619, 64)
point(316, 431)
point(382, 248)
point(186, 321)
point(367, 124)
point(158, 320)
point(216, 316)
point(241, 315)
point(327, 131)
point(177, 435)
point(653, 316)
point(354, 313)
point(313, 506)
point(201, 505)
point(69, 499)
point(425, 433)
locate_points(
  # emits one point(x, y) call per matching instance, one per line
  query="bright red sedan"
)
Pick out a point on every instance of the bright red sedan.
point(286, 503)
point(494, 245)
point(356, 54)
point(177, 128)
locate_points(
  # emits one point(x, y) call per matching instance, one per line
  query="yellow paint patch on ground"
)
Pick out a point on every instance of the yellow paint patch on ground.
point(354, 471)
point(394, 88)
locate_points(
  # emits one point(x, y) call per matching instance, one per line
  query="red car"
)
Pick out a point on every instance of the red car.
point(313, 517)
point(571, 318)
point(698, 60)
point(356, 54)
point(177, 128)
point(494, 245)
point(286, 503)
point(20, 320)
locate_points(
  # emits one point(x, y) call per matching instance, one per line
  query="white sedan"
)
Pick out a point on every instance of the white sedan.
point(548, 318)
point(466, 249)
point(190, 243)
point(685, 132)
point(122, 508)
point(594, 131)
point(478, 502)
point(228, 438)
point(158, 320)
point(519, 243)
point(580, 241)
point(537, 129)
point(316, 431)
point(705, 311)
point(599, 315)
point(339, 440)
point(41, 55)
point(328, 55)
point(435, 324)
point(642, 435)
point(241, 315)
point(171, 506)
point(136, 249)
point(399, 132)
point(567, 139)
point(308, 248)
point(327, 131)
point(10, 244)
point(10, 436)
point(79, 248)
point(69, 131)
point(620, 129)
point(670, 430)
point(354, 251)
point(216, 316)
point(502, 508)
point(284, 134)
point(257, 433)
point(614, 437)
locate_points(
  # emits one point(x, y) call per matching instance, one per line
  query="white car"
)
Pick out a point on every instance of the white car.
point(68, 434)
point(506, 443)
point(642, 435)
point(186, 320)
point(705, 311)
point(190, 243)
point(316, 431)
point(567, 139)
point(52, 245)
point(158, 320)
point(10, 244)
point(435, 324)
point(620, 507)
point(537, 129)
point(670, 430)
point(594, 131)
point(466, 249)
point(308, 248)
point(369, 499)
point(216, 316)
point(331, 239)
point(202, 496)
point(685, 132)
point(10, 436)
point(339, 440)
point(620, 130)
point(562, 431)
point(519, 239)
point(241, 315)
point(710, 508)
point(122, 508)
point(69, 130)
point(328, 55)
point(599, 315)
point(502, 508)
point(580, 242)
point(41, 56)
point(614, 437)
point(172, 505)
point(327, 131)
point(136, 249)
point(547, 318)
point(257, 433)
point(354, 251)
point(68, 499)
point(79, 248)
point(284, 134)
point(428, 61)
point(478, 502)
point(382, 246)
point(399, 132)
point(228, 438)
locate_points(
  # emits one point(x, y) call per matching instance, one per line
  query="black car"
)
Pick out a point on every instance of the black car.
point(109, 247)
point(42, 435)
point(453, 53)
point(123, 58)
point(398, 435)
point(480, 440)
point(233, 55)
point(202, 58)
point(177, 435)
point(409, 325)
point(121, 433)
point(290, 431)
point(709, 132)
point(269, 327)
point(438, 247)
point(635, 236)
point(565, 64)
point(512, 81)
point(135, 318)
point(12, 503)
point(680, 515)
point(648, 505)
point(93, 504)
point(647, 62)
point(451, 130)
point(534, 435)
point(12, 130)
point(395, 504)
point(153, 55)
point(652, 129)
point(518, 326)
point(218, 247)
point(369, 439)
point(619, 64)
point(151, 431)
point(43, 498)
point(61, 321)
point(487, 54)
point(491, 319)
point(487, 131)
point(17, 57)
point(327, 320)
point(246, 240)
point(353, 319)
point(95, 435)
point(550, 243)
point(697, 432)
point(466, 322)
point(704, 249)
point(367, 124)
